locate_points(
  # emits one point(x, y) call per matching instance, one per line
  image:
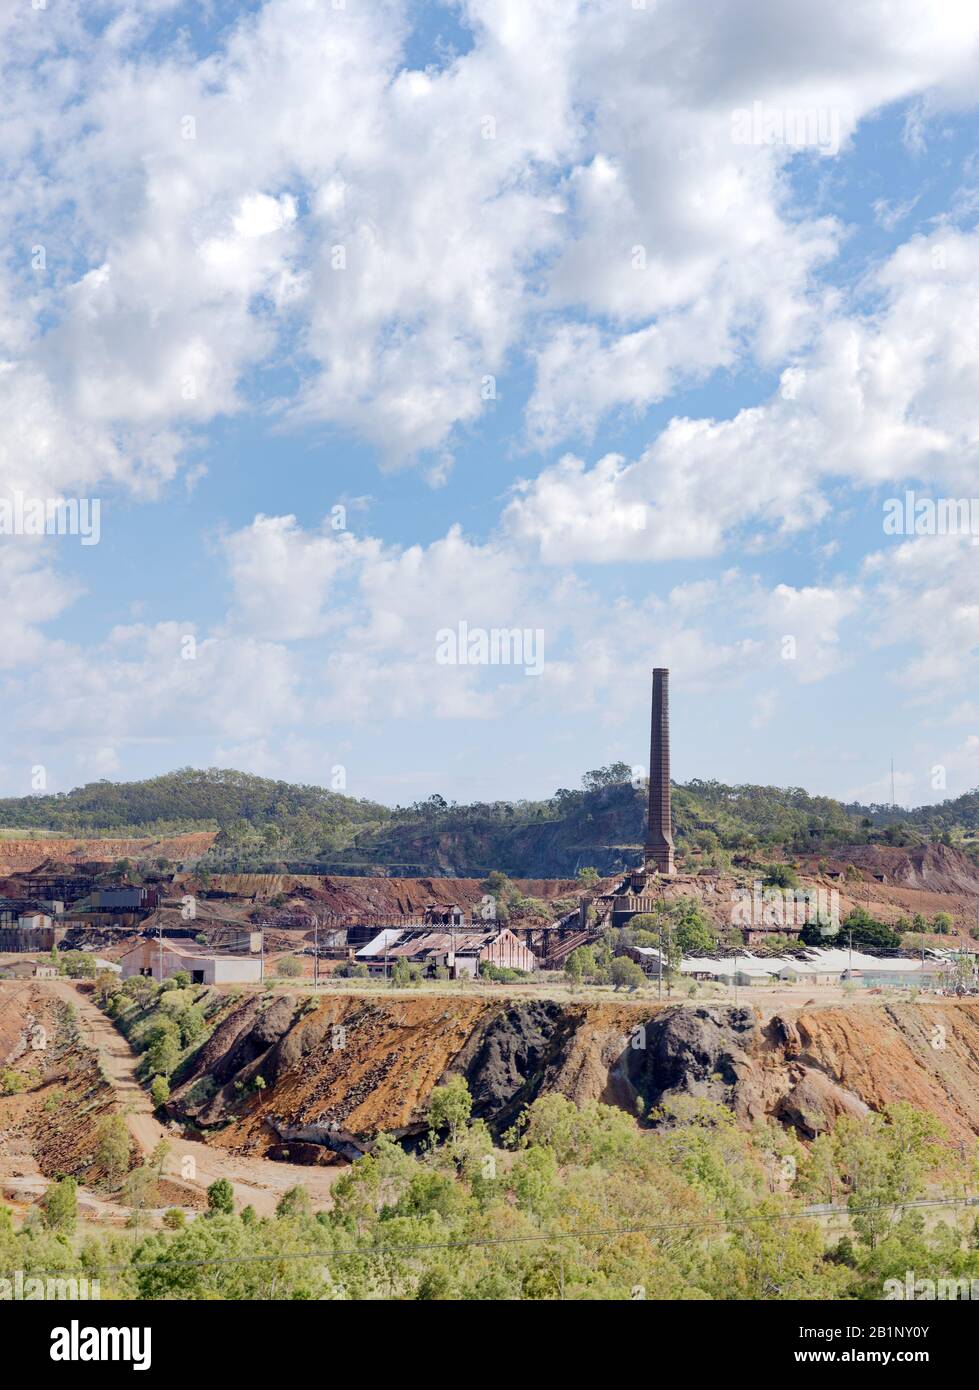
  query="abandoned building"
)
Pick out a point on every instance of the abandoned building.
point(458, 952)
point(160, 960)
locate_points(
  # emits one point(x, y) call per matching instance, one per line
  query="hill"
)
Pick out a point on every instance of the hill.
point(260, 823)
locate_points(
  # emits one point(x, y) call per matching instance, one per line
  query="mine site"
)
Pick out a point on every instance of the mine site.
point(186, 1041)
point(489, 675)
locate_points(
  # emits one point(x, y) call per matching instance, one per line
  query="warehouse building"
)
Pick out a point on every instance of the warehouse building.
point(160, 960)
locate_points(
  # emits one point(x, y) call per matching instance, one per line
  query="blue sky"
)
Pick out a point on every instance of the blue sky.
point(680, 461)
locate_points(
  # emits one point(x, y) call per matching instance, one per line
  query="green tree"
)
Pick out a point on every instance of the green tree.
point(867, 931)
point(781, 876)
point(401, 974)
point(140, 1189)
point(192, 1025)
point(160, 1090)
point(113, 1148)
point(450, 1107)
point(163, 1053)
point(580, 962)
point(159, 1156)
point(220, 1198)
point(60, 1206)
point(626, 974)
point(294, 1202)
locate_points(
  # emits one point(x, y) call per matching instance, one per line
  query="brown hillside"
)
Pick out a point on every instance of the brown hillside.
point(24, 856)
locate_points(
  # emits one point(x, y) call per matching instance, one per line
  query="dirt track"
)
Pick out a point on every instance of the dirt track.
point(259, 1182)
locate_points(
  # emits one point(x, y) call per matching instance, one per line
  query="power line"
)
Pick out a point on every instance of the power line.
point(543, 1237)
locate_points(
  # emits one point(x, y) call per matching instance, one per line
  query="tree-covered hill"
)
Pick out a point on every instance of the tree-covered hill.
point(264, 822)
point(189, 799)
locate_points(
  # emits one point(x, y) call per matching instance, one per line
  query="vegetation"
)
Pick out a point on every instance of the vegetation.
point(113, 1151)
point(267, 824)
point(579, 1204)
point(60, 1207)
point(859, 925)
point(220, 1198)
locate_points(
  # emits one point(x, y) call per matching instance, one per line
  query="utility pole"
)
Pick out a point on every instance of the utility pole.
point(849, 969)
point(316, 951)
point(735, 977)
point(660, 990)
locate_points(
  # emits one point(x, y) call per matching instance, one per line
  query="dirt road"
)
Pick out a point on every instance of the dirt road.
point(256, 1181)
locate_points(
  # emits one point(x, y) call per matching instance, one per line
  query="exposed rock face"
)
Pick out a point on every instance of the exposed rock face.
point(27, 855)
point(814, 1102)
point(700, 1052)
point(513, 1058)
point(366, 1065)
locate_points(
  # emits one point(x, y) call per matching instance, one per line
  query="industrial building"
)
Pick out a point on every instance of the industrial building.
point(160, 960)
point(819, 966)
point(459, 952)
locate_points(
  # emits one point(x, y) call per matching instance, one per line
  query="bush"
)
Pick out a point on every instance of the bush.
point(500, 974)
point(221, 1198)
point(113, 1150)
point(403, 974)
point(781, 876)
point(163, 1053)
point(450, 1106)
point(626, 974)
point(60, 1207)
point(192, 1026)
point(290, 967)
point(295, 1202)
point(160, 1090)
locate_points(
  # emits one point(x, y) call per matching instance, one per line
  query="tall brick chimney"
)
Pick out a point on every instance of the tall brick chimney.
point(659, 831)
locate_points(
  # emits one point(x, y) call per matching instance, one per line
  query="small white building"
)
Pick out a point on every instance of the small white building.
point(35, 921)
point(162, 960)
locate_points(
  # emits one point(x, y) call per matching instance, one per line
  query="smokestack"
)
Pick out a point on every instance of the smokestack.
point(659, 832)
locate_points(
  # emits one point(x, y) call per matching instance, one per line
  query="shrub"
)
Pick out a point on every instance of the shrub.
point(626, 974)
point(112, 1153)
point(160, 1090)
point(60, 1207)
point(221, 1198)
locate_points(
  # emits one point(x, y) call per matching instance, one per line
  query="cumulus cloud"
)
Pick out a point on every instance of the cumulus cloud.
point(399, 235)
point(575, 192)
point(881, 397)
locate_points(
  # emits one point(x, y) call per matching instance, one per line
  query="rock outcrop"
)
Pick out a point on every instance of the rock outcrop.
point(360, 1066)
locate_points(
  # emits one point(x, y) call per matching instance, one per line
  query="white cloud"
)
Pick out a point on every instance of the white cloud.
point(926, 599)
point(881, 398)
point(139, 685)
